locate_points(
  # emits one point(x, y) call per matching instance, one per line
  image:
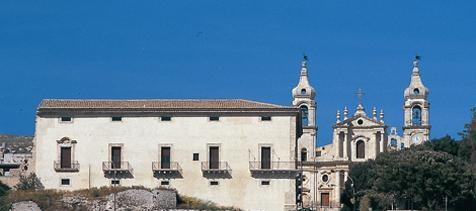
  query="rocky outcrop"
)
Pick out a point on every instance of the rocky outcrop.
point(25, 206)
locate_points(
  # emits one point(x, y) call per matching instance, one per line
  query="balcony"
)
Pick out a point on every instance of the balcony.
point(215, 167)
point(122, 167)
point(166, 168)
point(66, 167)
point(273, 167)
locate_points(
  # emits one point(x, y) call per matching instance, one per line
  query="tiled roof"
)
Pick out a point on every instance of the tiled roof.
point(155, 103)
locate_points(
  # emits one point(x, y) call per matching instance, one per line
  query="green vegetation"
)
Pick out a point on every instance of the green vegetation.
point(428, 177)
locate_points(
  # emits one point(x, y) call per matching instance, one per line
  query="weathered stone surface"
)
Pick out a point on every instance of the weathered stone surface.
point(137, 199)
point(25, 206)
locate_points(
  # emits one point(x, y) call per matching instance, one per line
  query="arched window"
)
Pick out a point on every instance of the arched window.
point(416, 116)
point(304, 115)
point(303, 91)
point(393, 142)
point(360, 147)
point(303, 154)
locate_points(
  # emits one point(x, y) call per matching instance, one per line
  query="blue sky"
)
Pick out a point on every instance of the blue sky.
point(238, 49)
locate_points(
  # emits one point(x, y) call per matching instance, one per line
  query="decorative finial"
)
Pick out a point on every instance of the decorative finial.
point(360, 93)
point(346, 112)
point(416, 61)
point(304, 60)
point(374, 113)
point(338, 116)
point(381, 116)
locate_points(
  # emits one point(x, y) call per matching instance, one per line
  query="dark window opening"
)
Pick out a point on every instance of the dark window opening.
point(116, 118)
point(360, 147)
point(116, 157)
point(214, 158)
point(303, 91)
point(65, 182)
point(65, 155)
point(360, 122)
point(165, 118)
point(214, 183)
point(214, 118)
point(164, 182)
point(165, 157)
point(265, 118)
point(318, 153)
point(265, 182)
point(416, 91)
point(393, 142)
point(416, 116)
point(265, 157)
point(115, 182)
point(66, 119)
point(325, 178)
point(304, 116)
point(304, 154)
point(195, 156)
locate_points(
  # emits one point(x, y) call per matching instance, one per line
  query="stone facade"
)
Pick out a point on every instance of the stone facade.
point(170, 144)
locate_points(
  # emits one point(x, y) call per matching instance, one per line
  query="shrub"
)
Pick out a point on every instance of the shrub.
point(30, 182)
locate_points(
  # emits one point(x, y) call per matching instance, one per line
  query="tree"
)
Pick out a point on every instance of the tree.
point(30, 182)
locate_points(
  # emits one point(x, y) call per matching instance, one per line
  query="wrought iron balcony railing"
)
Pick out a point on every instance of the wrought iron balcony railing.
point(260, 166)
point(222, 166)
point(123, 166)
point(166, 167)
point(66, 167)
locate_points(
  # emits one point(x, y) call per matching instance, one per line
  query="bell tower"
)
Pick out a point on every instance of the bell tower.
point(416, 129)
point(303, 98)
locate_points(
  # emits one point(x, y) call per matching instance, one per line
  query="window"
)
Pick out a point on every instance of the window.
point(304, 154)
point(195, 156)
point(265, 157)
point(360, 148)
point(213, 157)
point(214, 183)
point(360, 122)
point(116, 159)
point(165, 118)
point(66, 119)
point(65, 156)
point(416, 116)
point(318, 153)
point(115, 182)
point(214, 118)
point(304, 116)
point(116, 118)
point(303, 91)
point(402, 145)
point(265, 182)
point(164, 182)
point(165, 157)
point(416, 91)
point(65, 182)
point(325, 178)
point(265, 118)
point(393, 142)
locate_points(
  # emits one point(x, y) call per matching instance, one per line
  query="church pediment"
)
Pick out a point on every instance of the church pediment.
point(360, 121)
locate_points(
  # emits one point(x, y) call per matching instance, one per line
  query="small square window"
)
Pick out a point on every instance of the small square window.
point(65, 182)
point(195, 156)
point(115, 182)
point(265, 182)
point(165, 118)
point(66, 119)
point(214, 118)
point(165, 182)
point(214, 183)
point(116, 118)
point(265, 118)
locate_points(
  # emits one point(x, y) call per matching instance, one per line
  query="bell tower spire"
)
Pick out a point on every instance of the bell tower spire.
point(416, 108)
point(304, 99)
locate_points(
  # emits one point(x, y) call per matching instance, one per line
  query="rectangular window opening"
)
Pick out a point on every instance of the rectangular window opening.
point(214, 118)
point(116, 118)
point(164, 182)
point(65, 182)
point(66, 119)
point(115, 182)
point(165, 118)
point(265, 182)
point(195, 156)
point(265, 118)
point(214, 183)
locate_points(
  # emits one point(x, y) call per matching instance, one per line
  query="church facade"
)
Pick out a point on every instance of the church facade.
point(357, 137)
point(241, 153)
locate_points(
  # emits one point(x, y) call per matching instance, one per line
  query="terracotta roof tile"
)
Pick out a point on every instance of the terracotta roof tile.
point(154, 103)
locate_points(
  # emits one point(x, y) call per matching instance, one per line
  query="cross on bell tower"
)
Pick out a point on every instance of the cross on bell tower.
point(360, 94)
